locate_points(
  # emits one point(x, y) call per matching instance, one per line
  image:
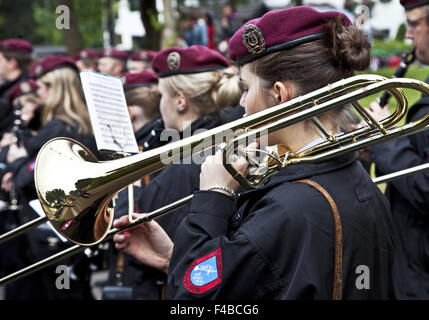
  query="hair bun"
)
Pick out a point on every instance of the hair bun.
point(349, 46)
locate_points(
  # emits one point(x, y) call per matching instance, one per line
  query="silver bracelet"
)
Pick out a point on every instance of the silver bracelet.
point(229, 190)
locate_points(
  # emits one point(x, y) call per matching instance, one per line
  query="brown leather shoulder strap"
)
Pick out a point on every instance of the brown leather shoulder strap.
point(338, 240)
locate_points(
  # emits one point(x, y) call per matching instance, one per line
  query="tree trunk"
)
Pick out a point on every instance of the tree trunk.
point(72, 36)
point(170, 26)
point(149, 16)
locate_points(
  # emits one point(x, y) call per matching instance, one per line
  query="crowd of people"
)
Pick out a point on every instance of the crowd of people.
point(301, 235)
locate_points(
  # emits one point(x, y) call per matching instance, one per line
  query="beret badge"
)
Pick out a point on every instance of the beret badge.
point(38, 70)
point(173, 61)
point(143, 55)
point(25, 87)
point(253, 39)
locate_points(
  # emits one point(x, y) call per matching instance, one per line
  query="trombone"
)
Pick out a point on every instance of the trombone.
point(77, 205)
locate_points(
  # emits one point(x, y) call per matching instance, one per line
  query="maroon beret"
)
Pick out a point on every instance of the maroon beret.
point(50, 63)
point(86, 54)
point(194, 59)
point(278, 30)
point(21, 88)
point(114, 53)
point(16, 46)
point(140, 79)
point(143, 55)
point(411, 4)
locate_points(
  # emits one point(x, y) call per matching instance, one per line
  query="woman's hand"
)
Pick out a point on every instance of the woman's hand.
point(7, 139)
point(6, 183)
point(16, 152)
point(214, 173)
point(378, 112)
point(148, 243)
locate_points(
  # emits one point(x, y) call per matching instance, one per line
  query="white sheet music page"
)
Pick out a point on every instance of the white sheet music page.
point(108, 110)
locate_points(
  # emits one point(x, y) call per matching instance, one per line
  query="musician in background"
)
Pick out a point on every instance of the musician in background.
point(143, 97)
point(141, 61)
point(196, 84)
point(409, 196)
point(280, 241)
point(64, 115)
point(14, 254)
point(86, 59)
point(15, 58)
point(113, 62)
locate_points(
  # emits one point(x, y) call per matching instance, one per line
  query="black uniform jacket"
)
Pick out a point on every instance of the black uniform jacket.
point(6, 110)
point(409, 201)
point(166, 186)
point(277, 242)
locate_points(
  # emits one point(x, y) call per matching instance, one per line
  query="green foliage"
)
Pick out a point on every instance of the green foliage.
point(400, 35)
point(414, 72)
point(35, 21)
point(389, 47)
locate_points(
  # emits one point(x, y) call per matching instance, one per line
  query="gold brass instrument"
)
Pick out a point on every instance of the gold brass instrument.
point(75, 189)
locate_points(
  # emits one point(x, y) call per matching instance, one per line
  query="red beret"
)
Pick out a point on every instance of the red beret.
point(278, 30)
point(143, 55)
point(140, 79)
point(17, 46)
point(21, 88)
point(114, 53)
point(411, 4)
point(86, 54)
point(50, 63)
point(194, 59)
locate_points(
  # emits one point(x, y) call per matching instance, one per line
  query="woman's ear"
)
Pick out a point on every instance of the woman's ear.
point(283, 91)
point(181, 103)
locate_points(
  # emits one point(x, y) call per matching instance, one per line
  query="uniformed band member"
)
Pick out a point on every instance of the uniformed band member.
point(195, 84)
point(409, 196)
point(113, 62)
point(64, 115)
point(280, 241)
point(143, 97)
point(86, 59)
point(15, 58)
point(141, 60)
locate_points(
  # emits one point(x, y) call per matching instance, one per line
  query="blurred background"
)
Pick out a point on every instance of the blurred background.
point(157, 24)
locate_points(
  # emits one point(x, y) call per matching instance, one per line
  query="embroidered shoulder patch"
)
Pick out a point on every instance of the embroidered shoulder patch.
point(204, 273)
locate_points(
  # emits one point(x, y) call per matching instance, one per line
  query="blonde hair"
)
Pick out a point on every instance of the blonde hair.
point(66, 100)
point(207, 91)
point(30, 98)
point(146, 97)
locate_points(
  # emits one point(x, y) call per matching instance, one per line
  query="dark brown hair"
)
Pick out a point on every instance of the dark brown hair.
point(23, 60)
point(147, 98)
point(312, 65)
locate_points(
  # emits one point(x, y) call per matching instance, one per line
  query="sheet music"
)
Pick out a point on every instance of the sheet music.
point(108, 110)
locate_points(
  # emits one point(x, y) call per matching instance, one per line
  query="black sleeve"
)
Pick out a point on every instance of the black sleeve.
point(207, 263)
point(399, 154)
point(52, 129)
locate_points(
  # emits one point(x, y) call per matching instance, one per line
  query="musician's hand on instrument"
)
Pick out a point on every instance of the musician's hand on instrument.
point(214, 173)
point(147, 242)
point(378, 112)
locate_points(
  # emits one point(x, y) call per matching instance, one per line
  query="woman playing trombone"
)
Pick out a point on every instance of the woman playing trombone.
point(313, 229)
